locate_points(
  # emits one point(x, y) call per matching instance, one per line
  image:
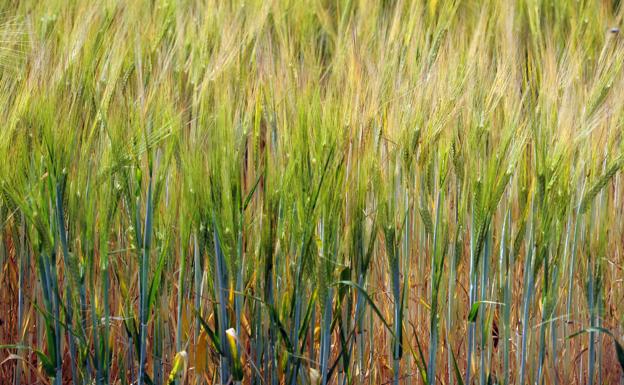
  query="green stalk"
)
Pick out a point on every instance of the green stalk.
point(397, 349)
point(471, 298)
point(68, 294)
point(24, 272)
point(326, 336)
point(238, 296)
point(143, 283)
point(509, 263)
point(197, 275)
point(592, 324)
point(94, 324)
point(528, 293)
point(484, 283)
point(436, 275)
point(578, 223)
point(56, 314)
point(157, 349)
point(106, 351)
point(452, 277)
point(181, 298)
point(220, 287)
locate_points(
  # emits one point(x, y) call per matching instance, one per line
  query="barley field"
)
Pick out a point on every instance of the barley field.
point(286, 192)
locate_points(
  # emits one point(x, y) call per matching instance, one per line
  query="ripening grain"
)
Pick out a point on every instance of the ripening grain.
point(289, 192)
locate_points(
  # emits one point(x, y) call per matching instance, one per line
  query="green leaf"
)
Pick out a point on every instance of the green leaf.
point(370, 302)
point(155, 284)
point(458, 376)
point(423, 368)
point(619, 350)
point(47, 363)
point(472, 316)
point(211, 334)
point(251, 192)
point(620, 353)
point(474, 310)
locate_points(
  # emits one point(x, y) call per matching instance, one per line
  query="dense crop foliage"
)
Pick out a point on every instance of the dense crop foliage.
point(311, 192)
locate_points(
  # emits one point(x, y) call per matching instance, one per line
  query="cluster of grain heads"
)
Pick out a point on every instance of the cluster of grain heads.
point(311, 192)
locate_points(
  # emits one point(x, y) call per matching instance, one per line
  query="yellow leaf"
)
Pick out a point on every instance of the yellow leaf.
point(180, 363)
point(231, 296)
point(201, 352)
point(184, 320)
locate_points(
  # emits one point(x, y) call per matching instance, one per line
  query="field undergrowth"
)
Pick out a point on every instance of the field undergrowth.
point(311, 192)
